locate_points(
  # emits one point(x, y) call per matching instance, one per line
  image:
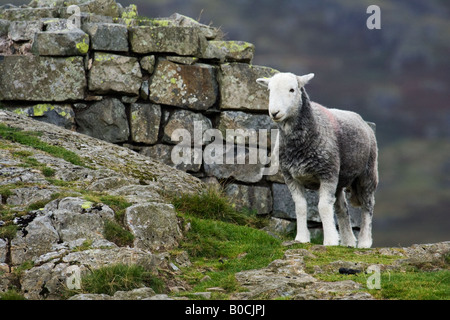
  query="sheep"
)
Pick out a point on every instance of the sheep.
point(328, 150)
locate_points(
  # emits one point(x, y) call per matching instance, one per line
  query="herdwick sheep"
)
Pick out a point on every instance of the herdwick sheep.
point(328, 150)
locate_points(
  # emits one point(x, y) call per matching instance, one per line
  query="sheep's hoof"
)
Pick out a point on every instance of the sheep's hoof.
point(364, 244)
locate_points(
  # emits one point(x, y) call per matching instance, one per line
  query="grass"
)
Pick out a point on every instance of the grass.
point(11, 295)
point(31, 140)
point(219, 249)
point(120, 277)
point(213, 204)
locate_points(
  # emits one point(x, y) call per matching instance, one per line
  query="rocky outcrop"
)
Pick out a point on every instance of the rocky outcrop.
point(57, 225)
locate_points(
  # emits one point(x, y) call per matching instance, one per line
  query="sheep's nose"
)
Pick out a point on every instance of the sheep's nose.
point(274, 114)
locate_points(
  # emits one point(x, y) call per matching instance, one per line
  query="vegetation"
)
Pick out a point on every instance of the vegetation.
point(30, 139)
point(219, 249)
point(120, 277)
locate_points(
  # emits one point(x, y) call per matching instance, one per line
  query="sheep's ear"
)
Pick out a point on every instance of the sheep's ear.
point(303, 80)
point(263, 81)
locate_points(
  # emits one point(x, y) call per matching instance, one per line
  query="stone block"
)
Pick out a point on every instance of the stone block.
point(111, 73)
point(250, 197)
point(108, 36)
point(194, 123)
point(24, 30)
point(163, 153)
point(229, 51)
point(183, 41)
point(249, 123)
point(188, 86)
point(61, 43)
point(33, 78)
point(106, 120)
point(144, 122)
point(238, 87)
point(241, 168)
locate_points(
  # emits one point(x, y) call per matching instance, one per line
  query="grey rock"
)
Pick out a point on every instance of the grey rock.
point(27, 14)
point(184, 21)
point(108, 36)
point(24, 30)
point(77, 218)
point(59, 114)
point(3, 250)
point(154, 225)
point(238, 87)
point(139, 193)
point(247, 123)
point(33, 240)
point(250, 197)
point(280, 226)
point(144, 123)
point(136, 294)
point(104, 120)
point(190, 121)
point(240, 163)
point(163, 153)
point(67, 81)
point(90, 296)
point(25, 196)
point(189, 86)
point(183, 41)
point(61, 43)
point(148, 63)
point(111, 73)
point(229, 51)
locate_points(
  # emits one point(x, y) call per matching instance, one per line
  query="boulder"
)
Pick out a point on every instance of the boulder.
point(154, 225)
point(111, 73)
point(144, 122)
point(67, 81)
point(108, 36)
point(238, 87)
point(189, 86)
point(104, 120)
point(184, 41)
point(61, 43)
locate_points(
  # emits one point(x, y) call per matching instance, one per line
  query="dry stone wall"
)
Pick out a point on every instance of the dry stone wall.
point(135, 81)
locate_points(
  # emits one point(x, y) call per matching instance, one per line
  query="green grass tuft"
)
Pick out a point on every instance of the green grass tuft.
point(31, 140)
point(120, 277)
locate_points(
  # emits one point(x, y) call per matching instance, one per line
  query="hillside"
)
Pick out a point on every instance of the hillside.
point(74, 226)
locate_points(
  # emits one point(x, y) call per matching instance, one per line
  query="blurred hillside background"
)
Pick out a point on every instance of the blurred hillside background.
point(397, 77)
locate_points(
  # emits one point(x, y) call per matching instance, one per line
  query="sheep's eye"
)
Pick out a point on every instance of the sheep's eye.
point(292, 90)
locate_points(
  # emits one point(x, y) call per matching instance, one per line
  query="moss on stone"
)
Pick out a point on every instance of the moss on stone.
point(83, 46)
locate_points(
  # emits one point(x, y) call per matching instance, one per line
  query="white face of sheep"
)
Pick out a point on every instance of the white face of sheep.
point(285, 94)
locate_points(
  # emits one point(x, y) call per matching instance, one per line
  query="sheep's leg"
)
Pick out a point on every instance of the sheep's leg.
point(301, 211)
point(365, 234)
point(345, 229)
point(326, 203)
